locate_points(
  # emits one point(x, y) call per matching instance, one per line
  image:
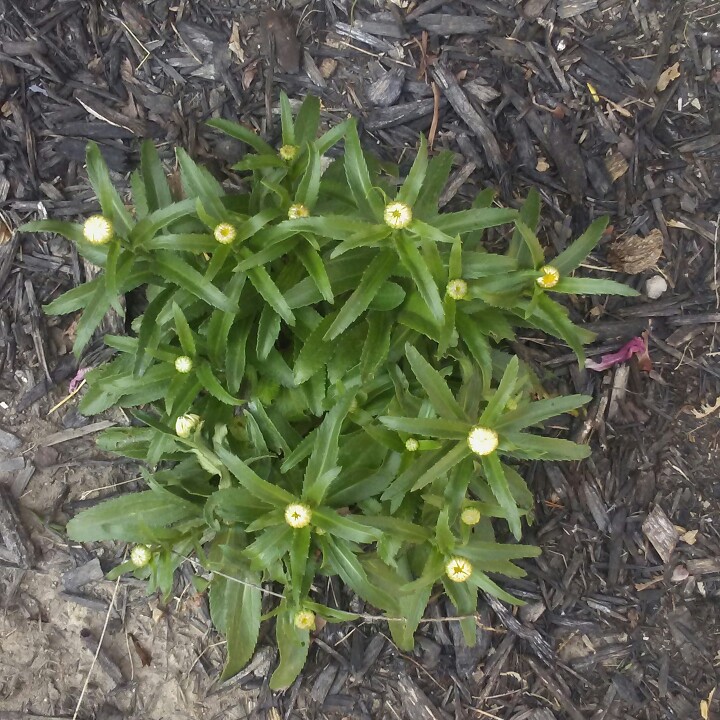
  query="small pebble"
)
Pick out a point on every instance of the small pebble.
point(655, 286)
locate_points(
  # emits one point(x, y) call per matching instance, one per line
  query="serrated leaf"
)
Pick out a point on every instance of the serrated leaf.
point(293, 645)
point(438, 392)
point(571, 258)
point(412, 186)
point(110, 201)
point(493, 470)
point(240, 132)
point(593, 286)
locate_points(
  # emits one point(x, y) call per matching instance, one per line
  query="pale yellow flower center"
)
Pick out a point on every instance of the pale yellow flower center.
point(297, 515)
point(298, 211)
point(97, 230)
point(183, 364)
point(185, 425)
point(457, 289)
point(288, 152)
point(470, 516)
point(549, 277)
point(482, 440)
point(224, 233)
point(398, 215)
point(140, 555)
point(458, 569)
point(305, 620)
point(411, 445)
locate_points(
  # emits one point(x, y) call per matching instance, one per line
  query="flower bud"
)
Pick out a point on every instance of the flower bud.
point(224, 233)
point(140, 556)
point(412, 445)
point(183, 364)
point(297, 515)
point(305, 620)
point(457, 289)
point(97, 230)
point(288, 152)
point(470, 516)
point(458, 569)
point(298, 211)
point(398, 215)
point(482, 440)
point(549, 278)
point(186, 425)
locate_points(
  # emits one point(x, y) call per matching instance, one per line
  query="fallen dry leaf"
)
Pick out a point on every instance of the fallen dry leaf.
point(616, 164)
point(667, 76)
point(706, 410)
point(636, 254)
point(234, 45)
point(705, 704)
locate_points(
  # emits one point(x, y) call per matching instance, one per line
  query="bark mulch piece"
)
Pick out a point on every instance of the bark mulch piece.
point(607, 107)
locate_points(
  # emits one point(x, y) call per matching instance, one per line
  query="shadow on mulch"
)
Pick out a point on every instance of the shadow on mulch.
point(607, 106)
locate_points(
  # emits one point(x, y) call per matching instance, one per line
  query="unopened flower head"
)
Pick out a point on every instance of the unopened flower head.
point(305, 620)
point(298, 211)
point(186, 425)
point(549, 277)
point(140, 556)
point(458, 569)
point(470, 516)
point(183, 364)
point(297, 515)
point(412, 445)
point(97, 230)
point(398, 215)
point(224, 233)
point(482, 440)
point(288, 152)
point(457, 289)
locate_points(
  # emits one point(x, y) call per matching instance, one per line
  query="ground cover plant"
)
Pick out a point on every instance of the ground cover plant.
point(320, 381)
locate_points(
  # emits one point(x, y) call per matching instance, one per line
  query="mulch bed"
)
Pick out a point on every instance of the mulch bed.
point(606, 106)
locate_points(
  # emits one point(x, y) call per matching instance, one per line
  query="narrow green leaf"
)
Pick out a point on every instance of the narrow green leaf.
point(358, 177)
point(502, 395)
point(530, 217)
point(293, 645)
point(526, 446)
point(286, 120)
point(571, 258)
point(535, 413)
point(315, 267)
point(270, 292)
point(309, 187)
point(315, 352)
point(464, 221)
point(157, 189)
point(374, 276)
point(412, 186)
point(307, 120)
point(434, 385)
point(593, 286)
point(110, 201)
point(213, 385)
point(184, 333)
point(414, 263)
point(240, 132)
point(443, 466)
point(427, 427)
point(492, 467)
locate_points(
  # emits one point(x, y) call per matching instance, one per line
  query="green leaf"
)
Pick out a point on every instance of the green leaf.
point(157, 189)
point(213, 385)
point(270, 292)
point(412, 186)
point(358, 177)
point(184, 333)
point(464, 221)
point(71, 231)
point(251, 481)
point(526, 446)
point(307, 120)
point(492, 588)
point(502, 395)
point(94, 313)
point(325, 453)
point(110, 201)
point(374, 276)
point(293, 645)
point(415, 264)
point(181, 273)
point(593, 286)
point(286, 120)
point(74, 299)
point(315, 267)
point(537, 254)
point(571, 258)
point(236, 354)
point(427, 427)
point(492, 467)
point(443, 466)
point(455, 264)
point(530, 217)
point(183, 242)
point(535, 413)
point(377, 344)
point(299, 553)
point(132, 517)
point(240, 132)
point(199, 183)
point(344, 526)
point(331, 137)
point(436, 177)
point(267, 332)
point(434, 385)
point(307, 192)
point(315, 353)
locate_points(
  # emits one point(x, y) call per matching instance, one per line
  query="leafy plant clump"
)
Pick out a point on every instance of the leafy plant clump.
point(321, 378)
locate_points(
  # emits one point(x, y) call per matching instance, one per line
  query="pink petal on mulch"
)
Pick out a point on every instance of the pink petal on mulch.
point(79, 377)
point(637, 346)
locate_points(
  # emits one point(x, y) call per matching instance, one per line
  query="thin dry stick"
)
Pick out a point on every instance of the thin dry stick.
point(97, 652)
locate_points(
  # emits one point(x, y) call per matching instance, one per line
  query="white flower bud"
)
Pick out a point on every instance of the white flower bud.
point(140, 556)
point(412, 445)
point(224, 233)
point(457, 289)
point(288, 152)
point(458, 569)
point(482, 440)
point(470, 516)
point(97, 230)
point(186, 425)
point(398, 215)
point(297, 515)
point(298, 211)
point(183, 364)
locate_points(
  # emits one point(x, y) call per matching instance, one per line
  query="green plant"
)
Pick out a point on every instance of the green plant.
point(323, 387)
